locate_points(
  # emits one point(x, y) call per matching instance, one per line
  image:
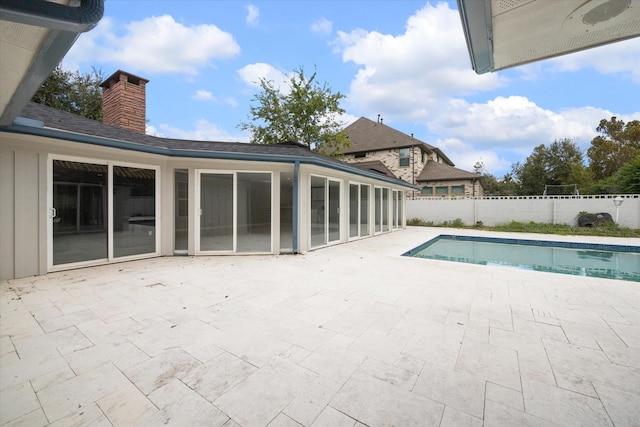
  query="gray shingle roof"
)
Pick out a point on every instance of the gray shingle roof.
point(366, 135)
point(433, 171)
point(80, 129)
point(376, 166)
point(62, 120)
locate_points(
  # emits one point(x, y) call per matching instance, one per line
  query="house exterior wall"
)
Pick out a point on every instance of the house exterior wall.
point(25, 219)
point(391, 159)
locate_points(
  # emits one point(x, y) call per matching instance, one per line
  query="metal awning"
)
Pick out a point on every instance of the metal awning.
point(505, 33)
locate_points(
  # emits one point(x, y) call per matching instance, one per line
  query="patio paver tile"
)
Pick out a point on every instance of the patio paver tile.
point(86, 415)
point(281, 420)
point(458, 389)
point(17, 401)
point(70, 396)
point(504, 396)
point(311, 400)
point(454, 418)
point(32, 419)
point(330, 417)
point(562, 406)
point(126, 406)
point(497, 415)
point(490, 362)
point(212, 379)
point(550, 349)
point(260, 397)
point(389, 373)
point(622, 406)
point(374, 402)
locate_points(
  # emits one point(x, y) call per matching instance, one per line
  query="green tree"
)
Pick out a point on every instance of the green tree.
point(617, 144)
point(73, 92)
point(561, 163)
point(307, 114)
point(628, 177)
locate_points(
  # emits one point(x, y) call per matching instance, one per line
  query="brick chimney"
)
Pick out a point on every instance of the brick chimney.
point(124, 101)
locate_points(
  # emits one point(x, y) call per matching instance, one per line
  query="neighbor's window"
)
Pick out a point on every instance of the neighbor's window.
point(457, 189)
point(404, 156)
point(359, 155)
point(442, 191)
point(427, 191)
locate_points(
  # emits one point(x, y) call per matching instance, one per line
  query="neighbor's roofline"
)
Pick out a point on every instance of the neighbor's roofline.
point(35, 128)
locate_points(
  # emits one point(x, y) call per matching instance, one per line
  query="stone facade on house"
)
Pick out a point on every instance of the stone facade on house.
point(408, 159)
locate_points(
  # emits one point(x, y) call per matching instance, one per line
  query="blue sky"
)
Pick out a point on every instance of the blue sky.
point(404, 60)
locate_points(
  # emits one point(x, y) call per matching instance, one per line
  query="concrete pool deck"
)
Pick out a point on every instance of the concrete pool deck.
point(351, 335)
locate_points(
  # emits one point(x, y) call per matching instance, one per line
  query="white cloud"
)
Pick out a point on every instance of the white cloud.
point(157, 44)
point(151, 130)
point(411, 74)
point(513, 123)
point(252, 74)
point(202, 95)
point(465, 156)
point(253, 13)
point(203, 131)
point(322, 26)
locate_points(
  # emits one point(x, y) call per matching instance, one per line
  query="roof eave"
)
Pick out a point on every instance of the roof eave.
point(65, 24)
point(31, 127)
point(478, 31)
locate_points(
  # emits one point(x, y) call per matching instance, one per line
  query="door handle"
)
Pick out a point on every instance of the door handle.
point(54, 213)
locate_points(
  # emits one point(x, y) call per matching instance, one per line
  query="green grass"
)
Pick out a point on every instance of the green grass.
point(608, 230)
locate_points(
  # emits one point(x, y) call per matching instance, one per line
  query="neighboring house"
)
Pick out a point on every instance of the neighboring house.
point(378, 147)
point(76, 192)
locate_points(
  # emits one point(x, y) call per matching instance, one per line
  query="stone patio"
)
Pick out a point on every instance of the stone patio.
point(351, 335)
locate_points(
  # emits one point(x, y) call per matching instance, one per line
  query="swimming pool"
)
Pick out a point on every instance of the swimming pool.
point(580, 259)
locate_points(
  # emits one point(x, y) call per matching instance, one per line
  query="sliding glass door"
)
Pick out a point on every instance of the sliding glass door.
point(79, 213)
point(325, 211)
point(216, 212)
point(235, 210)
point(358, 210)
point(101, 211)
point(134, 211)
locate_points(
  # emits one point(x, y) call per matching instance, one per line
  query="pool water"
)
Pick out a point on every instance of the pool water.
point(580, 259)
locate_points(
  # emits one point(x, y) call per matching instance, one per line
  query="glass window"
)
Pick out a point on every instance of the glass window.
point(359, 155)
point(404, 156)
point(318, 203)
point(286, 212)
point(216, 212)
point(457, 189)
point(400, 209)
point(354, 204)
point(442, 191)
point(426, 191)
point(181, 211)
point(364, 210)
point(378, 209)
point(80, 206)
point(385, 209)
point(254, 212)
point(134, 211)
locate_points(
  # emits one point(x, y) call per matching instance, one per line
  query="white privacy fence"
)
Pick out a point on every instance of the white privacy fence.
point(492, 210)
